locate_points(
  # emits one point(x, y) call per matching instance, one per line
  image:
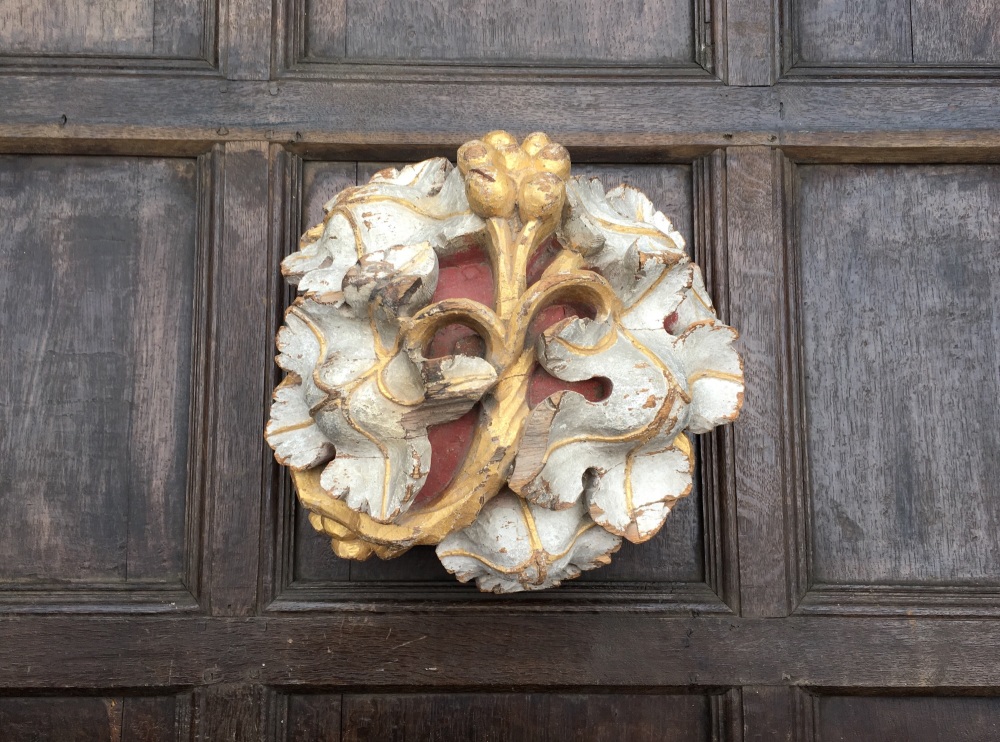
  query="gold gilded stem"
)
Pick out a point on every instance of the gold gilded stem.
point(495, 441)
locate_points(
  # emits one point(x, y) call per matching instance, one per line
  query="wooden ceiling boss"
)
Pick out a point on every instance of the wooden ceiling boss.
point(588, 290)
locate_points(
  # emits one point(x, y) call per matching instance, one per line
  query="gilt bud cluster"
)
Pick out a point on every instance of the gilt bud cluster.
point(501, 174)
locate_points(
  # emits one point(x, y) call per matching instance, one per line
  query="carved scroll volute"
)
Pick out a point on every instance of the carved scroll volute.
point(544, 491)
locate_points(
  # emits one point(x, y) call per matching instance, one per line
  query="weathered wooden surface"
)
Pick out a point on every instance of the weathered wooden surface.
point(97, 283)
point(920, 717)
point(900, 332)
point(563, 31)
point(129, 28)
point(867, 92)
point(894, 32)
point(519, 716)
point(93, 719)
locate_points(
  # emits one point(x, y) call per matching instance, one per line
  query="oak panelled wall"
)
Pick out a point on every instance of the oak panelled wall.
point(585, 34)
point(96, 718)
point(501, 716)
point(894, 33)
point(588, 31)
point(99, 274)
point(900, 323)
point(131, 32)
point(835, 575)
point(837, 718)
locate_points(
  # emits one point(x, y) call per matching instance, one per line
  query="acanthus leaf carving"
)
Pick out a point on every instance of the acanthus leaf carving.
point(544, 491)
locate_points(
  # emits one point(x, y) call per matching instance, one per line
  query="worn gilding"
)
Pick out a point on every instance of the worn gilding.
point(544, 492)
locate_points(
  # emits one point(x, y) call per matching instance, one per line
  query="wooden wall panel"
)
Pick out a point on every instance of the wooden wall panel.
point(900, 284)
point(895, 32)
point(127, 28)
point(91, 718)
point(559, 31)
point(528, 717)
point(852, 31)
point(956, 32)
point(312, 717)
point(97, 263)
point(912, 719)
point(674, 555)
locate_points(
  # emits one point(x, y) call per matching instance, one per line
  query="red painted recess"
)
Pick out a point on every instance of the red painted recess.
point(468, 275)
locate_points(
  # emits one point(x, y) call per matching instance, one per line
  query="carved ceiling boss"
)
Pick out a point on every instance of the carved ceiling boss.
point(590, 287)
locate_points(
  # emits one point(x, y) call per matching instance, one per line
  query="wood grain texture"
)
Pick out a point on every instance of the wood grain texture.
point(900, 289)
point(227, 711)
point(312, 717)
point(248, 40)
point(965, 32)
point(89, 719)
point(750, 42)
point(498, 649)
point(852, 31)
point(588, 32)
point(528, 717)
point(392, 119)
point(128, 28)
point(625, 643)
point(241, 282)
point(768, 714)
point(923, 718)
point(756, 306)
point(97, 284)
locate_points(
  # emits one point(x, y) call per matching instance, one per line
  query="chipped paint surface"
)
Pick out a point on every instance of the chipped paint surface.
point(545, 490)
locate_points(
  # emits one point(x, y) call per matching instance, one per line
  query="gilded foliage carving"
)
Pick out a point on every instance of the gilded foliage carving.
point(545, 490)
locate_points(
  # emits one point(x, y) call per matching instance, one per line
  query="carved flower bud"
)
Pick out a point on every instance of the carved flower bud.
point(534, 143)
point(490, 192)
point(513, 157)
point(541, 196)
point(500, 139)
point(474, 154)
point(553, 158)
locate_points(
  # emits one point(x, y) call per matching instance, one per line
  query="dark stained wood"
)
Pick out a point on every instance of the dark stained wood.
point(900, 284)
point(958, 32)
point(75, 719)
point(843, 718)
point(124, 28)
point(227, 712)
point(769, 714)
point(97, 276)
point(148, 718)
point(583, 32)
point(191, 148)
point(90, 718)
point(675, 554)
point(495, 649)
point(901, 600)
point(313, 559)
point(241, 282)
point(312, 717)
point(526, 717)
